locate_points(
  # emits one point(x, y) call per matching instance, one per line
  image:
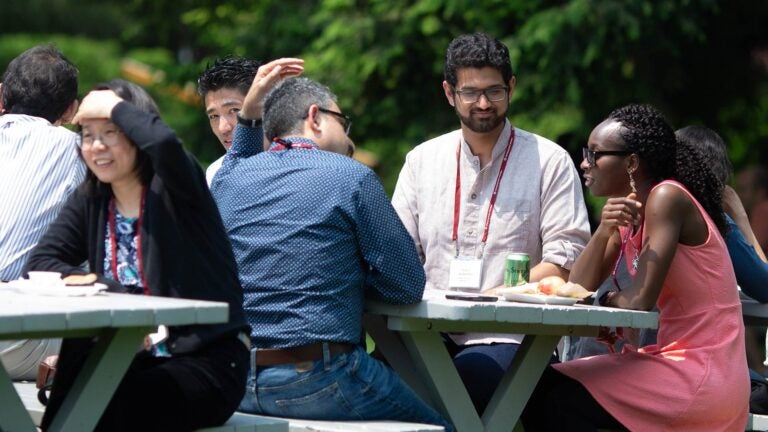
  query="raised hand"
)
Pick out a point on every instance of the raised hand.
point(97, 104)
point(267, 77)
point(620, 211)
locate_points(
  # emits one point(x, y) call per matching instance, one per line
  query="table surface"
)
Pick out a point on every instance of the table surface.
point(428, 368)
point(121, 321)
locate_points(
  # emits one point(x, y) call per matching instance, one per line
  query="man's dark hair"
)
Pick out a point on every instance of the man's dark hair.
point(40, 82)
point(476, 50)
point(287, 105)
point(228, 72)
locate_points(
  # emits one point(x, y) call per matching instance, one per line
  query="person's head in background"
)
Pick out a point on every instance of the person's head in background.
point(752, 186)
point(301, 107)
point(40, 82)
point(479, 81)
point(712, 148)
point(223, 86)
point(110, 155)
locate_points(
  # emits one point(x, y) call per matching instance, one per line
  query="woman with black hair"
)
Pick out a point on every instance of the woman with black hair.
point(664, 215)
point(146, 224)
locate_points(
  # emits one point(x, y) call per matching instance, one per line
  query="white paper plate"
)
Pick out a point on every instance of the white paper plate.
point(25, 286)
point(540, 299)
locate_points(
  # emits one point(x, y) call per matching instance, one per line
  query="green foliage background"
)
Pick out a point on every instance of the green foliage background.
point(702, 62)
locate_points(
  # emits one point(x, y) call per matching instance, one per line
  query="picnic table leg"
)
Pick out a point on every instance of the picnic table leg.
point(515, 388)
point(389, 343)
point(13, 414)
point(101, 374)
point(431, 359)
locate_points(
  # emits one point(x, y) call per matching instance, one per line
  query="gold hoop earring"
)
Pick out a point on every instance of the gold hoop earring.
point(631, 182)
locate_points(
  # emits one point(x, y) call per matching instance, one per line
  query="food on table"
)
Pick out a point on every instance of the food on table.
point(86, 279)
point(550, 284)
point(573, 290)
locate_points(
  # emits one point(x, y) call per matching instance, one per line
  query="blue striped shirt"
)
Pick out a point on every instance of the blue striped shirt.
point(40, 165)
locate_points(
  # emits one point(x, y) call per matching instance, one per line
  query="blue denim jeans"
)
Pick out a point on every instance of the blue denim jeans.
point(350, 386)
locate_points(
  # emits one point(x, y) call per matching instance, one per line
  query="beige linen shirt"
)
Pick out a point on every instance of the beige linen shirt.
point(539, 207)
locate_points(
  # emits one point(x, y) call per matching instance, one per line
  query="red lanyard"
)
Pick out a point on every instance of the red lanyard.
point(281, 144)
point(113, 242)
point(457, 196)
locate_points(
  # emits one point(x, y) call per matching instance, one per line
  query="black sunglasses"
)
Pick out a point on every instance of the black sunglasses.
point(592, 156)
point(345, 121)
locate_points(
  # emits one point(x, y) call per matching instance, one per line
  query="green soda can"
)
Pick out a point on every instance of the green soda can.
point(517, 269)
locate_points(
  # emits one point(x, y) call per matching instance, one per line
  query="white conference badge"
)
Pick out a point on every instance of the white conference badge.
point(465, 272)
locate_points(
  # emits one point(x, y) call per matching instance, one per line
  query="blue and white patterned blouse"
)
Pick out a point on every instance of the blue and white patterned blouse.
point(127, 257)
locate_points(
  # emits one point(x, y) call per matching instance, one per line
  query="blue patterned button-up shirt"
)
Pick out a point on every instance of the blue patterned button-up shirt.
point(313, 233)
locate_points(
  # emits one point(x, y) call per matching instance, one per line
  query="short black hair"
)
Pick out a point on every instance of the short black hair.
point(287, 105)
point(40, 82)
point(477, 50)
point(228, 72)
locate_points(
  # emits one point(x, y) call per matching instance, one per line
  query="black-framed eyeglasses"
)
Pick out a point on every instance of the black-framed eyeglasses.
point(592, 156)
point(345, 121)
point(493, 94)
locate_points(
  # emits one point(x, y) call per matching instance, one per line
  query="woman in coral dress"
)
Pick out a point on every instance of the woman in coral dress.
point(664, 216)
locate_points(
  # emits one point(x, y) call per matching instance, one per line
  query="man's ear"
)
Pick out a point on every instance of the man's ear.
point(66, 118)
point(312, 122)
point(511, 85)
point(449, 94)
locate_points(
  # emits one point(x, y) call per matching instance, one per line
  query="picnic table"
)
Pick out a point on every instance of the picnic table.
point(410, 337)
point(119, 320)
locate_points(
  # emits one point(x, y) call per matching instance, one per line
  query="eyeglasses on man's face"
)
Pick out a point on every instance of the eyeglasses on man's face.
point(493, 94)
point(592, 156)
point(345, 121)
point(109, 137)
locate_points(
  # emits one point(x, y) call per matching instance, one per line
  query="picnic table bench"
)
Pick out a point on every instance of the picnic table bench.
point(241, 422)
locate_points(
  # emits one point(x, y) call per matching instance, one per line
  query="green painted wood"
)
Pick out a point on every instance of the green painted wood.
point(240, 422)
point(755, 314)
point(391, 346)
point(13, 415)
point(433, 361)
point(508, 402)
point(103, 370)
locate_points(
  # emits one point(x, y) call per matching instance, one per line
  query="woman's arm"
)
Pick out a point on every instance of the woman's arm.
point(735, 209)
point(668, 208)
point(598, 258)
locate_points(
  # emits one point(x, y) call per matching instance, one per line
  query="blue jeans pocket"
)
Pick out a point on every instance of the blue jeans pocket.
point(328, 402)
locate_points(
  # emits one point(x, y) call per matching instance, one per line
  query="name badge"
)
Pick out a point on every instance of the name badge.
point(465, 273)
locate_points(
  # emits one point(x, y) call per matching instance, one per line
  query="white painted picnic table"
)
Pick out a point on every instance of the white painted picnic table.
point(119, 320)
point(425, 364)
point(754, 312)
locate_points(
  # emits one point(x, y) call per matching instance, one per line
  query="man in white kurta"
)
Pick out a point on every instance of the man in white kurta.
point(539, 207)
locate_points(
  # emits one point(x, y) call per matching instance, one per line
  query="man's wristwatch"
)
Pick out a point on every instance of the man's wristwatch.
point(248, 122)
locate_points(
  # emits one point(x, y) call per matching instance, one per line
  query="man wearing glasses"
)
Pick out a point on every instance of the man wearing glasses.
point(313, 234)
point(472, 196)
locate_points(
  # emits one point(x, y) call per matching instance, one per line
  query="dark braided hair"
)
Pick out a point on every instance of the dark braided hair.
point(646, 132)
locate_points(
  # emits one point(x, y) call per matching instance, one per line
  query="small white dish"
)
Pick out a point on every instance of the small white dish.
point(30, 287)
point(45, 277)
